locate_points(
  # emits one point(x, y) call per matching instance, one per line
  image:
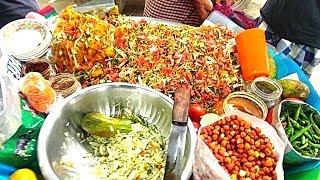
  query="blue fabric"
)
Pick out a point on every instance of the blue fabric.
point(6, 170)
point(305, 57)
point(285, 67)
point(4, 177)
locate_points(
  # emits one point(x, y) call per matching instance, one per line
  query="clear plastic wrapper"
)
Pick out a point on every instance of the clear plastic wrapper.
point(206, 165)
point(10, 112)
point(39, 94)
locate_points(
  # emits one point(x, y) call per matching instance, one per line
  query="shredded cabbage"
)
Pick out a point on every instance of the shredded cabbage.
point(139, 154)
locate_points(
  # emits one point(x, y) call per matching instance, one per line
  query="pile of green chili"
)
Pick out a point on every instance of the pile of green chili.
point(302, 126)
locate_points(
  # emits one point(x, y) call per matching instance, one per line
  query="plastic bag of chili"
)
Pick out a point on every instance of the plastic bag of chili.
point(298, 125)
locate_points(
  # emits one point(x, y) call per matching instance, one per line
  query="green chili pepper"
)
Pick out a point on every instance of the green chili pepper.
point(298, 126)
point(299, 133)
point(310, 150)
point(311, 131)
point(317, 119)
point(315, 127)
point(303, 139)
point(304, 146)
point(305, 122)
point(306, 153)
point(316, 138)
point(296, 145)
point(289, 129)
point(315, 145)
point(308, 135)
point(295, 123)
point(303, 114)
point(316, 150)
point(297, 113)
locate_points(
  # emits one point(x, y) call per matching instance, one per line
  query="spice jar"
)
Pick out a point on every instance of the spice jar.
point(267, 89)
point(65, 84)
point(42, 66)
point(245, 102)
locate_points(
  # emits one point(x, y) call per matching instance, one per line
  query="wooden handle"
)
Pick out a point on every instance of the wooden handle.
point(181, 106)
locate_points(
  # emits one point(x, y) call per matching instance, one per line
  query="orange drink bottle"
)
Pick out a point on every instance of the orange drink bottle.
point(252, 53)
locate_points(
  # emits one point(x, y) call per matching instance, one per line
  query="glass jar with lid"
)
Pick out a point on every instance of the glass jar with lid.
point(267, 89)
point(245, 102)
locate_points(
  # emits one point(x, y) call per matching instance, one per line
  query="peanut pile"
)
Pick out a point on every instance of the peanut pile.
point(243, 151)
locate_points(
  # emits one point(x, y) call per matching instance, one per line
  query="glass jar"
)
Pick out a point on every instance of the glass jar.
point(247, 103)
point(267, 89)
point(42, 66)
point(65, 84)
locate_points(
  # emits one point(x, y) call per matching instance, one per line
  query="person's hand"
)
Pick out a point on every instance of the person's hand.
point(36, 16)
point(204, 7)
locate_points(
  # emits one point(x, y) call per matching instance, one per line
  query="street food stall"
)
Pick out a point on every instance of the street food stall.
point(93, 96)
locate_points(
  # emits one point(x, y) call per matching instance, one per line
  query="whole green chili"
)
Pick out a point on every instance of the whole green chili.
point(299, 133)
point(306, 153)
point(303, 114)
point(308, 135)
point(297, 113)
point(289, 129)
point(316, 138)
point(314, 145)
point(304, 146)
point(316, 150)
point(295, 123)
point(303, 139)
point(296, 145)
point(315, 127)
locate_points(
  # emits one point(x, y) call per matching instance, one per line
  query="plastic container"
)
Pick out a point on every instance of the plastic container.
point(252, 52)
point(245, 102)
point(42, 66)
point(65, 84)
point(268, 90)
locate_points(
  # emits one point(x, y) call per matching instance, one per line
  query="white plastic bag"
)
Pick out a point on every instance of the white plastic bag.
point(10, 112)
point(206, 165)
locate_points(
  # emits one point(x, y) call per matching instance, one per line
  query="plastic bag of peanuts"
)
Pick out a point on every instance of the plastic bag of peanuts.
point(238, 146)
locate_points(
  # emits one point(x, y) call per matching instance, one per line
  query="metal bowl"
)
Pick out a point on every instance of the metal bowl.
point(107, 98)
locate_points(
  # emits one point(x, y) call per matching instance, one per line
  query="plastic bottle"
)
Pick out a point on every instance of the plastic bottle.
point(252, 52)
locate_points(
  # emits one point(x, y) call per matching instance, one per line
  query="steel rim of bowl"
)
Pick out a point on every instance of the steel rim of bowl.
point(44, 162)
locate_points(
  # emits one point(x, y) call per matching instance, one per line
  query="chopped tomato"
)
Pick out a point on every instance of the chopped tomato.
point(199, 75)
point(156, 55)
point(167, 71)
point(120, 42)
point(196, 111)
point(118, 33)
point(185, 56)
point(142, 62)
